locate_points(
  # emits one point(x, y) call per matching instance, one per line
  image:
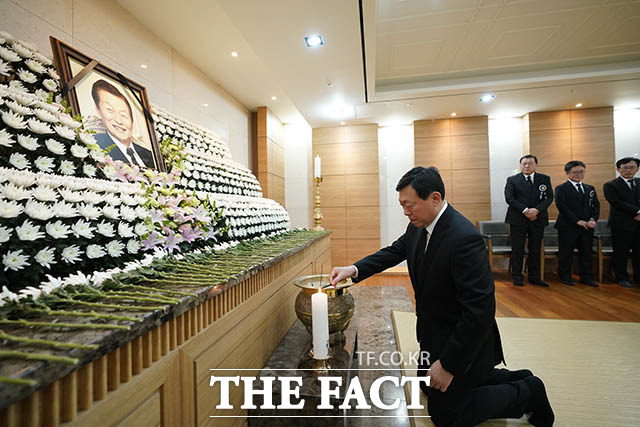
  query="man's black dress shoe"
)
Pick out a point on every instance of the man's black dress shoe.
point(539, 403)
point(539, 283)
point(518, 282)
point(589, 283)
point(567, 282)
point(624, 283)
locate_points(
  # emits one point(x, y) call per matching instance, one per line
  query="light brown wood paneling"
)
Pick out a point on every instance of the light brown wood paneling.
point(275, 159)
point(477, 125)
point(332, 135)
point(598, 174)
point(593, 144)
point(431, 128)
point(549, 120)
point(362, 158)
point(362, 133)
point(335, 219)
point(592, 117)
point(362, 190)
point(338, 252)
point(470, 152)
point(147, 414)
point(471, 186)
point(276, 190)
point(433, 152)
point(475, 212)
point(360, 248)
point(551, 147)
point(446, 176)
point(269, 149)
point(363, 223)
point(556, 174)
point(332, 191)
point(334, 158)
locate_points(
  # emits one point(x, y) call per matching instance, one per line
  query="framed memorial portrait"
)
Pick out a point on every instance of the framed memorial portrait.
point(115, 107)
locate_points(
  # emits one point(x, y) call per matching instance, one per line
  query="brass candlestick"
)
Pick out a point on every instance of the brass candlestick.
point(317, 215)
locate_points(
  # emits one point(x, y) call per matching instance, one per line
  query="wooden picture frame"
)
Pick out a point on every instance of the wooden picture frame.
point(114, 106)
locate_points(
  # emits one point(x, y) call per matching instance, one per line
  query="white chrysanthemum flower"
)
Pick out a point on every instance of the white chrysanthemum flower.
point(133, 246)
point(17, 86)
point(41, 95)
point(128, 200)
point(67, 167)
point(21, 50)
point(12, 192)
point(27, 76)
point(89, 170)
point(89, 211)
point(23, 179)
point(68, 121)
point(5, 69)
point(46, 257)
point(83, 229)
point(95, 251)
point(86, 138)
point(19, 161)
point(79, 278)
point(44, 59)
point(70, 196)
point(15, 260)
point(18, 108)
point(115, 248)
point(79, 151)
point(50, 85)
point(142, 212)
point(111, 212)
point(38, 210)
point(35, 66)
point(13, 120)
point(92, 197)
point(36, 126)
point(125, 230)
point(9, 55)
point(128, 214)
point(20, 94)
point(106, 229)
point(56, 147)
point(45, 115)
point(6, 139)
point(65, 132)
point(44, 164)
point(52, 108)
point(57, 230)
point(9, 38)
point(98, 155)
point(141, 229)
point(29, 232)
point(52, 73)
point(112, 199)
point(44, 194)
point(5, 234)
point(71, 254)
point(28, 142)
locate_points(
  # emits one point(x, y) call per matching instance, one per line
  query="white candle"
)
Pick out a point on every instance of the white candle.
point(316, 170)
point(320, 325)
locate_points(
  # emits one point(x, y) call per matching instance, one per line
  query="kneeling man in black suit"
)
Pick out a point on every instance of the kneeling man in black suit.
point(455, 307)
point(578, 208)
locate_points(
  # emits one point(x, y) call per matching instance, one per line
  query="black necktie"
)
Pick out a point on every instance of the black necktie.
point(632, 183)
point(529, 181)
point(580, 190)
point(422, 245)
point(132, 155)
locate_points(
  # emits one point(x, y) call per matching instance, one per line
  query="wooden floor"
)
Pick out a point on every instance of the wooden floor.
point(608, 302)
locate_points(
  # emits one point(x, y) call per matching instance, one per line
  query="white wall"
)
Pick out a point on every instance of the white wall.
point(505, 149)
point(108, 33)
point(298, 174)
point(395, 158)
point(626, 128)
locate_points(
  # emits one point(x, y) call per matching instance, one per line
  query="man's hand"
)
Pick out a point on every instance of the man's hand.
point(340, 273)
point(591, 223)
point(636, 218)
point(531, 214)
point(440, 378)
point(582, 223)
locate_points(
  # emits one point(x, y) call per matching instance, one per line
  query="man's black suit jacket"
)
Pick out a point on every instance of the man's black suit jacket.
point(624, 204)
point(573, 206)
point(454, 291)
point(519, 195)
point(105, 141)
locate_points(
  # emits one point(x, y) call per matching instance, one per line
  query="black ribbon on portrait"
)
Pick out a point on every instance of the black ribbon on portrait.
point(74, 81)
point(125, 82)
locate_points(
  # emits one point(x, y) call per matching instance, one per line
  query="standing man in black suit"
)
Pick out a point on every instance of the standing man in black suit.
point(579, 209)
point(528, 195)
point(455, 308)
point(623, 194)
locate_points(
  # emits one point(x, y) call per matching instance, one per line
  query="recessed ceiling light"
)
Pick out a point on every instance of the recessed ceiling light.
point(143, 66)
point(234, 54)
point(314, 40)
point(453, 114)
point(408, 104)
point(205, 105)
point(578, 105)
point(343, 123)
point(274, 98)
point(488, 97)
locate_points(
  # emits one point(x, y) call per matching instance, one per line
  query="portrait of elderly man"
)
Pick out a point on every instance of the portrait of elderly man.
point(115, 112)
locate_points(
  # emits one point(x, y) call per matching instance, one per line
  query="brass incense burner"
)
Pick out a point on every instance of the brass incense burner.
point(340, 302)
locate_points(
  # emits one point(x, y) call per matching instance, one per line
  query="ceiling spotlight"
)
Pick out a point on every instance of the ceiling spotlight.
point(488, 97)
point(234, 54)
point(578, 105)
point(330, 84)
point(205, 105)
point(143, 66)
point(343, 123)
point(453, 114)
point(274, 98)
point(314, 40)
point(408, 104)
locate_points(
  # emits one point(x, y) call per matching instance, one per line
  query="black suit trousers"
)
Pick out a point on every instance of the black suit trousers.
point(519, 233)
point(568, 240)
point(624, 241)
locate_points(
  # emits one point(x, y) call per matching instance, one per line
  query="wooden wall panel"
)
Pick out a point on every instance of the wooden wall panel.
point(593, 145)
point(475, 210)
point(344, 134)
point(362, 190)
point(471, 186)
point(470, 151)
point(360, 248)
point(363, 223)
point(361, 157)
point(434, 151)
point(551, 147)
point(335, 219)
point(269, 149)
point(431, 128)
point(332, 190)
point(478, 125)
point(549, 120)
point(334, 158)
point(592, 117)
point(338, 252)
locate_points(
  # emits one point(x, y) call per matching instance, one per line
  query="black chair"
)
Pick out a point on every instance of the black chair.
point(602, 246)
point(497, 240)
point(549, 247)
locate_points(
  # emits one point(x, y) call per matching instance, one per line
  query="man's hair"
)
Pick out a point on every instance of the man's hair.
point(624, 160)
point(572, 164)
point(107, 87)
point(528, 156)
point(424, 180)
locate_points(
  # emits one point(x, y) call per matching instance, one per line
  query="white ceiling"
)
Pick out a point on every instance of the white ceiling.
point(424, 58)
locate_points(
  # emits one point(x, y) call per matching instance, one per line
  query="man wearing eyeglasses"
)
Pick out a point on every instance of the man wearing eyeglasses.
point(623, 194)
point(578, 211)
